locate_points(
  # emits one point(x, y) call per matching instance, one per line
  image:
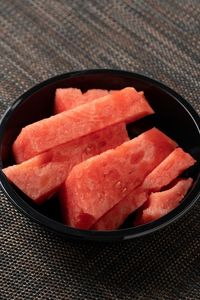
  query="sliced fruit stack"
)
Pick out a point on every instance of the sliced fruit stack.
point(83, 152)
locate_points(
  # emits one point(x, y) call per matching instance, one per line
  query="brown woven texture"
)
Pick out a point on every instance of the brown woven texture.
point(43, 38)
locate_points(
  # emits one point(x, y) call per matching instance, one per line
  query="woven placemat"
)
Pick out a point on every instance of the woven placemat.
point(40, 39)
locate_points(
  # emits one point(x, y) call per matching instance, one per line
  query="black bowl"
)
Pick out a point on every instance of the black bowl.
point(174, 116)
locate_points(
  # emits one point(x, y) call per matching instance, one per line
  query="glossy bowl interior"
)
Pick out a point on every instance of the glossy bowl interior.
point(174, 116)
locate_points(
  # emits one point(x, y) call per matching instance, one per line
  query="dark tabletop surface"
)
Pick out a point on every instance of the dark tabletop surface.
point(40, 39)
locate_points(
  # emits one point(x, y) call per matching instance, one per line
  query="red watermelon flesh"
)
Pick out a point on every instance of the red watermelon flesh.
point(96, 185)
point(161, 203)
point(69, 98)
point(118, 214)
point(171, 167)
point(94, 94)
point(126, 105)
point(177, 162)
point(40, 176)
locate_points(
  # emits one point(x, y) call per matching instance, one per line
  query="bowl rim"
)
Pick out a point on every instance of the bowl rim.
point(109, 235)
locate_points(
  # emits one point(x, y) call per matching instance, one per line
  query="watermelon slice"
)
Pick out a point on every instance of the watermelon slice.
point(40, 176)
point(97, 184)
point(126, 105)
point(68, 98)
point(177, 162)
point(161, 203)
point(118, 214)
point(171, 167)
